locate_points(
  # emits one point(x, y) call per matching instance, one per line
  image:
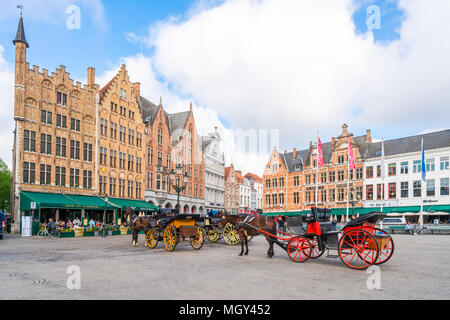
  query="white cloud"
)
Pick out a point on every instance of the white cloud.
point(300, 67)
point(6, 109)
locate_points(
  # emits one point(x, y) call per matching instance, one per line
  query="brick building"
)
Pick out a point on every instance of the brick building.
point(290, 178)
point(81, 151)
point(232, 199)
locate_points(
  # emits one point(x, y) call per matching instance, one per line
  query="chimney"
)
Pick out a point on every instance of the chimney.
point(137, 89)
point(310, 144)
point(294, 153)
point(368, 136)
point(91, 76)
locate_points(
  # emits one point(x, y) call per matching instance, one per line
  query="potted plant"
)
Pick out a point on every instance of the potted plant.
point(67, 233)
point(89, 232)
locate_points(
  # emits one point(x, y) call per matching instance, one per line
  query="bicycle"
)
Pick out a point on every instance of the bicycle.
point(43, 233)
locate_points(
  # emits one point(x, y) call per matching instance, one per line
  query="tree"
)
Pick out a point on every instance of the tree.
point(5, 186)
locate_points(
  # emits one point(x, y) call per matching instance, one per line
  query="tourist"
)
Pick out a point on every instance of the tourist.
point(91, 223)
point(409, 228)
point(69, 224)
point(51, 225)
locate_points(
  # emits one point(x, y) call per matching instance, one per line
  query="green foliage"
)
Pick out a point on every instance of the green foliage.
point(5, 186)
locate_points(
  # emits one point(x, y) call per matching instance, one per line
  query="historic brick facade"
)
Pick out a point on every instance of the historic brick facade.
point(232, 199)
point(290, 178)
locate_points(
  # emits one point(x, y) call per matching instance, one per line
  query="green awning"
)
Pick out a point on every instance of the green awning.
point(46, 200)
point(137, 205)
point(62, 201)
point(92, 202)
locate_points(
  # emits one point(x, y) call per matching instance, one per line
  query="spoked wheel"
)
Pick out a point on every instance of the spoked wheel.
point(385, 253)
point(315, 250)
point(198, 240)
point(358, 249)
point(299, 249)
point(151, 238)
point(170, 238)
point(212, 234)
point(57, 233)
point(42, 234)
point(230, 235)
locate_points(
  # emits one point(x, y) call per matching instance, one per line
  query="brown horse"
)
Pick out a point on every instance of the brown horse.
point(242, 223)
point(136, 224)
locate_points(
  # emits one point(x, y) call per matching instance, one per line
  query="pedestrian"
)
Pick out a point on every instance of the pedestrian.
point(51, 225)
point(2, 220)
point(409, 228)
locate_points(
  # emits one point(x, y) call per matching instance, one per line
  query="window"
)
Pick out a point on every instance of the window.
point(130, 136)
point(332, 176)
point(123, 94)
point(380, 191)
point(138, 189)
point(113, 106)
point(113, 130)
point(150, 156)
point(87, 179)
point(131, 114)
point(340, 175)
point(74, 124)
point(392, 188)
point(417, 188)
point(29, 172)
point(331, 195)
point(274, 168)
point(417, 166)
point(61, 121)
point(340, 194)
point(296, 181)
point(130, 162)
point(274, 182)
point(274, 198)
point(160, 137)
point(29, 140)
point(430, 164)
point(359, 173)
point(340, 158)
point(430, 188)
point(61, 98)
point(150, 181)
point(121, 187)
point(323, 195)
point(281, 198)
point(122, 133)
point(60, 147)
point(323, 177)
point(281, 182)
point(392, 167)
point(112, 186)
point(87, 152)
point(60, 176)
point(308, 179)
point(350, 173)
point(138, 164)
point(369, 192)
point(103, 155)
point(267, 183)
point(296, 197)
point(404, 190)
point(122, 160)
point(75, 149)
point(112, 158)
point(160, 160)
point(268, 199)
point(378, 171)
point(369, 172)
point(46, 117)
point(139, 139)
point(102, 184)
point(404, 167)
point(130, 189)
point(46, 143)
point(359, 192)
point(444, 186)
point(74, 178)
point(444, 163)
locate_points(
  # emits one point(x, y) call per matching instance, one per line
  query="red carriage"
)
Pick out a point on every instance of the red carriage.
point(359, 244)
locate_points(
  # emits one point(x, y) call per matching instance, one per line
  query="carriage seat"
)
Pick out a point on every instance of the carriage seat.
point(372, 217)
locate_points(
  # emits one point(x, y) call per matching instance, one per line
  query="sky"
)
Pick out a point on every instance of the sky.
point(265, 72)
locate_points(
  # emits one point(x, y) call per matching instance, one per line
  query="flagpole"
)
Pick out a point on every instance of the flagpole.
point(422, 183)
point(317, 169)
point(382, 174)
point(348, 177)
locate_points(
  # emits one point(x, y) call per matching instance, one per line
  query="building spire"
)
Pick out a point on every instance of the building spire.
point(20, 35)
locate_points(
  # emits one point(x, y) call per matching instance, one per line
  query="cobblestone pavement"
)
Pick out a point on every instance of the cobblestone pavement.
point(111, 269)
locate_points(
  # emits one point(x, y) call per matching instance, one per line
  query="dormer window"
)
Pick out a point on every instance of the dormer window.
point(274, 167)
point(123, 94)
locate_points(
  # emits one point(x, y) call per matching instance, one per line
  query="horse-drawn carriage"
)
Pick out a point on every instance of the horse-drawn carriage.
point(223, 226)
point(172, 227)
point(359, 244)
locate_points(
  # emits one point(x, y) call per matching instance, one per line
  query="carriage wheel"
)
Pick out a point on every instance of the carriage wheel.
point(212, 234)
point(198, 240)
point(230, 234)
point(384, 254)
point(315, 250)
point(170, 238)
point(299, 249)
point(358, 249)
point(151, 238)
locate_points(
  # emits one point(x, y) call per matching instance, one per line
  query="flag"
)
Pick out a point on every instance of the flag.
point(319, 153)
point(382, 166)
point(351, 160)
point(424, 168)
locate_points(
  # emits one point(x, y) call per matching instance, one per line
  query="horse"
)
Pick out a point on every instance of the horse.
point(136, 224)
point(241, 223)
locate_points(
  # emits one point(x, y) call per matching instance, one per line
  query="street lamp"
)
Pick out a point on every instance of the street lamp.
point(358, 198)
point(178, 181)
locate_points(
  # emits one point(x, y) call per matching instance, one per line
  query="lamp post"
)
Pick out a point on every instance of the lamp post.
point(178, 181)
point(358, 198)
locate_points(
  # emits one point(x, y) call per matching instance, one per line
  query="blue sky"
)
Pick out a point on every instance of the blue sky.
point(297, 66)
